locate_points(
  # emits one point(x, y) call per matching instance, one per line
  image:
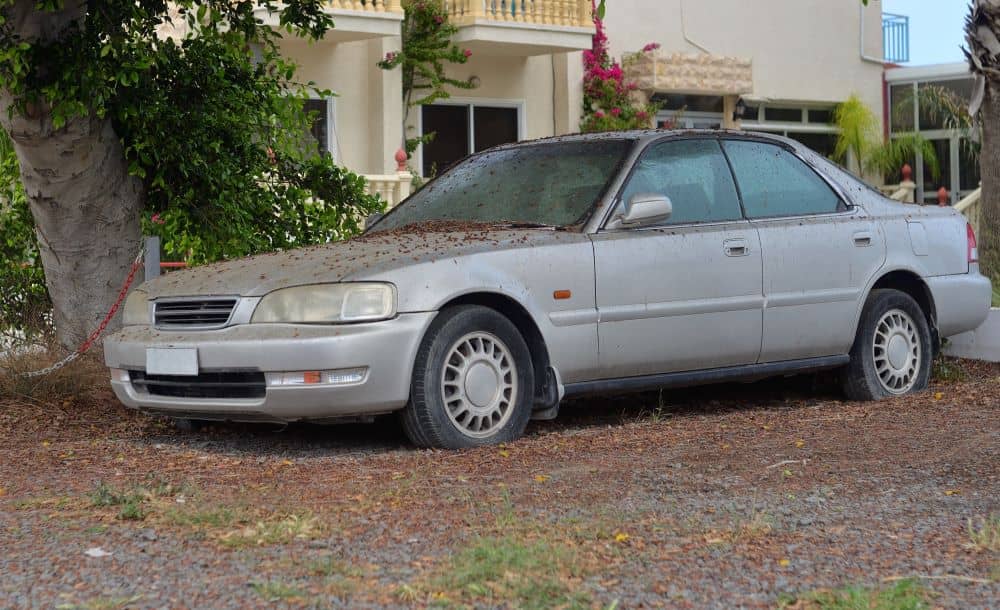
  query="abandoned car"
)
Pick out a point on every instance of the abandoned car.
point(575, 265)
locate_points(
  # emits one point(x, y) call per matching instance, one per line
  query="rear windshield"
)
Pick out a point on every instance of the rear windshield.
point(555, 184)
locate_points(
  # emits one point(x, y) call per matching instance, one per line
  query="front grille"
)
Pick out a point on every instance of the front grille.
point(193, 313)
point(249, 384)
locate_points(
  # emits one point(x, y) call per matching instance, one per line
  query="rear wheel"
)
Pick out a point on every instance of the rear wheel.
point(473, 381)
point(891, 355)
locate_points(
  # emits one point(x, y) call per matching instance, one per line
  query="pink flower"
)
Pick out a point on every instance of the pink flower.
point(156, 220)
point(599, 114)
point(616, 111)
point(438, 19)
point(651, 47)
point(391, 55)
point(467, 53)
point(642, 114)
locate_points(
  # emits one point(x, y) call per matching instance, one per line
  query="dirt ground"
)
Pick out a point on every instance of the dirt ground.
point(775, 494)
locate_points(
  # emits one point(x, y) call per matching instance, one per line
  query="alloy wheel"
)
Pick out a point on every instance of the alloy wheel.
point(896, 351)
point(479, 384)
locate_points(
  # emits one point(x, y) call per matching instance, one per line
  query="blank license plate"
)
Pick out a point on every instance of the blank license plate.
point(171, 361)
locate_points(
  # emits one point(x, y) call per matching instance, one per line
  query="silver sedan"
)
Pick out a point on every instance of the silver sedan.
point(557, 268)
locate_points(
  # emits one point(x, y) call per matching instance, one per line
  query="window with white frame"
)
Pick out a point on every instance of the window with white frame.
point(323, 128)
point(913, 108)
point(811, 125)
point(462, 128)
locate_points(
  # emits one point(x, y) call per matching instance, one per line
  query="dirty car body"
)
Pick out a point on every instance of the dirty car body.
point(569, 266)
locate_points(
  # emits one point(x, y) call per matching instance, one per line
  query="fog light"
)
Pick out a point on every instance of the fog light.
point(347, 376)
point(120, 375)
point(335, 377)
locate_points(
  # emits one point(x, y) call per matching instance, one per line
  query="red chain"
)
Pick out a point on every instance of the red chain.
point(114, 308)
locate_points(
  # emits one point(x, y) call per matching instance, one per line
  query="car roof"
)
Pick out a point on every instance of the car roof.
point(652, 134)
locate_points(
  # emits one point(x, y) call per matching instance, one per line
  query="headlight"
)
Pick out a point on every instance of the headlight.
point(328, 303)
point(136, 311)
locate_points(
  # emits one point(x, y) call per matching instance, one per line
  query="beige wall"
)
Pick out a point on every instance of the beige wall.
point(369, 100)
point(802, 50)
point(534, 81)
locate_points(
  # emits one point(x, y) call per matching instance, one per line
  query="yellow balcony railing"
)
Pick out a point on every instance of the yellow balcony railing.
point(370, 6)
point(573, 13)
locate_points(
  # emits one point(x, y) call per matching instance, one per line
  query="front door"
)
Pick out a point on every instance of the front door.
point(685, 294)
point(819, 253)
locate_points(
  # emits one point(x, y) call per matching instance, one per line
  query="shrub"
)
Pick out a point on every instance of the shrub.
point(24, 300)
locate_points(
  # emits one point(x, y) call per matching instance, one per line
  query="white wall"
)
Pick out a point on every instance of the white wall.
point(369, 100)
point(802, 50)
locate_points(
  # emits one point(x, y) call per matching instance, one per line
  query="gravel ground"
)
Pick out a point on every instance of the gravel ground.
point(750, 495)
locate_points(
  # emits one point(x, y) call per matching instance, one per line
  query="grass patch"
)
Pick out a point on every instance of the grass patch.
point(134, 501)
point(996, 296)
point(275, 530)
point(275, 590)
point(102, 603)
point(947, 370)
point(984, 535)
point(903, 595)
point(129, 501)
point(331, 566)
point(507, 571)
point(758, 526)
point(217, 517)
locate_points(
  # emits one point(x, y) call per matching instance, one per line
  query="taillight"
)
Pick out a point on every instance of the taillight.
point(973, 251)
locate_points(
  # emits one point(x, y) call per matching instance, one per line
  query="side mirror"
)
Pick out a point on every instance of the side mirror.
point(373, 218)
point(646, 208)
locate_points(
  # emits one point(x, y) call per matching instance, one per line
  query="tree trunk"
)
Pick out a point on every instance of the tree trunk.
point(989, 205)
point(85, 205)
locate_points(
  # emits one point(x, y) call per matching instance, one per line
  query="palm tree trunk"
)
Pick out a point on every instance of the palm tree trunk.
point(989, 206)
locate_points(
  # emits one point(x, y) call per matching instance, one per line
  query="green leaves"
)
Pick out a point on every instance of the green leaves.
point(211, 120)
point(24, 299)
point(426, 49)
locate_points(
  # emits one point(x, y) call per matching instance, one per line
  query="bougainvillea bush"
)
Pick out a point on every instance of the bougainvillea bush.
point(426, 50)
point(608, 100)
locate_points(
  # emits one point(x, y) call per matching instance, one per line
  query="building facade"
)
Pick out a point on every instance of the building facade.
point(786, 62)
point(911, 110)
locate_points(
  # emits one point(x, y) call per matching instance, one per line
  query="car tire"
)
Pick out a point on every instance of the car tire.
point(473, 381)
point(892, 350)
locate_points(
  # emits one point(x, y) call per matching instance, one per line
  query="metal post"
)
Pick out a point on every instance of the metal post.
point(152, 257)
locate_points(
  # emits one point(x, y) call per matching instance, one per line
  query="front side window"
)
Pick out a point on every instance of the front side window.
point(693, 174)
point(554, 184)
point(774, 182)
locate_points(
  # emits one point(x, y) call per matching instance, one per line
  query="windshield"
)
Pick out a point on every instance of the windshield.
point(552, 184)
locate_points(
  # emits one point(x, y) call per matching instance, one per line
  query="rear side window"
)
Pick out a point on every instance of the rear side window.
point(774, 182)
point(693, 174)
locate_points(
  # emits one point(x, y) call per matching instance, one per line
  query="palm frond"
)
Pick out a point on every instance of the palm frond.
point(858, 130)
point(889, 157)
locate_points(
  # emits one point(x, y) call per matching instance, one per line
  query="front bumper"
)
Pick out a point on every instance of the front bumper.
point(387, 349)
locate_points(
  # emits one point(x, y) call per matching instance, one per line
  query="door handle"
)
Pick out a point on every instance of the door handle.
point(735, 247)
point(863, 239)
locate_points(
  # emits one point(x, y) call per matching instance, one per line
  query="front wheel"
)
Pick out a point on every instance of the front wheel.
point(891, 355)
point(473, 381)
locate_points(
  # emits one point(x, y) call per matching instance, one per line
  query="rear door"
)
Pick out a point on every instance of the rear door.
point(818, 251)
point(685, 294)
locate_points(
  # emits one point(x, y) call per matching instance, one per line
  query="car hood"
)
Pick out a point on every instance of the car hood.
point(358, 259)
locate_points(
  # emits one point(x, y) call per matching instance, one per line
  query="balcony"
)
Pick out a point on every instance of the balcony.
point(521, 27)
point(356, 19)
point(896, 38)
